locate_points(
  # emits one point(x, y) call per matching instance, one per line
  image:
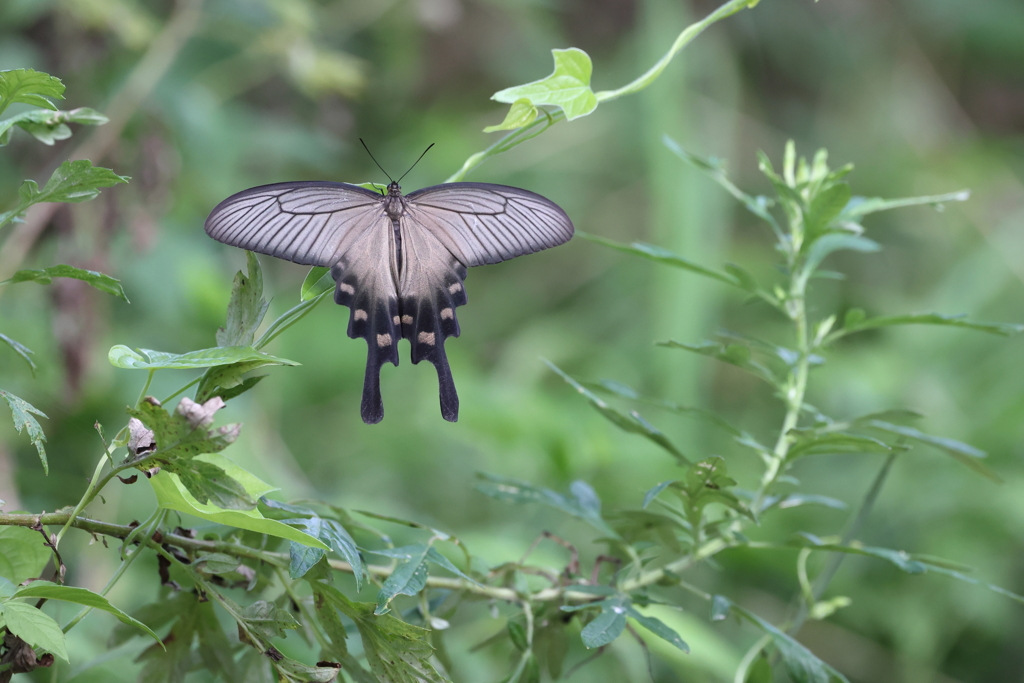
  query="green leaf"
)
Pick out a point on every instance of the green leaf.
point(658, 628)
point(21, 350)
point(861, 206)
point(22, 553)
point(49, 126)
point(80, 596)
point(760, 672)
point(171, 494)
point(733, 354)
point(145, 359)
point(824, 207)
point(408, 578)
point(608, 625)
point(619, 389)
point(652, 252)
point(521, 113)
point(900, 558)
point(297, 671)
point(568, 86)
point(34, 627)
point(45, 276)
point(715, 170)
point(267, 620)
point(811, 442)
point(396, 652)
point(226, 380)
point(22, 412)
point(29, 87)
point(210, 484)
point(965, 453)
point(856, 321)
point(246, 307)
point(433, 555)
point(504, 488)
point(216, 563)
point(801, 664)
point(318, 281)
point(834, 241)
point(72, 182)
point(184, 434)
point(632, 423)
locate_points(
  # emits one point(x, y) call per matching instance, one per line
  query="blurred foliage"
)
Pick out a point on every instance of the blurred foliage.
point(923, 98)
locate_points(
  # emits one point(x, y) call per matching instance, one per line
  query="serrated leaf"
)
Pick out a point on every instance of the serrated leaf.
point(660, 629)
point(72, 182)
point(22, 553)
point(184, 434)
point(504, 488)
point(396, 652)
point(45, 276)
point(246, 307)
point(80, 596)
point(632, 423)
point(297, 671)
point(21, 350)
point(433, 555)
point(409, 576)
point(34, 627)
point(302, 557)
point(49, 126)
point(210, 484)
point(318, 281)
point(22, 413)
point(267, 620)
point(568, 86)
point(145, 359)
point(29, 87)
point(521, 113)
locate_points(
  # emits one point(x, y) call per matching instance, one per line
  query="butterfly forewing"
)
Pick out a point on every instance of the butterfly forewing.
point(403, 281)
point(481, 223)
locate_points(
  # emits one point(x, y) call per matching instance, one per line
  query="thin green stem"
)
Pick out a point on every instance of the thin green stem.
point(303, 609)
point(87, 497)
point(823, 579)
point(749, 657)
point(145, 388)
point(150, 526)
point(182, 389)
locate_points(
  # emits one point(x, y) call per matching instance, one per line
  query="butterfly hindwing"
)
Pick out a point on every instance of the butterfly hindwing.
point(430, 288)
point(365, 279)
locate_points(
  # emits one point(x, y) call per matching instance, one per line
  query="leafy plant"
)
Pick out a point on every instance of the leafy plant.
point(273, 568)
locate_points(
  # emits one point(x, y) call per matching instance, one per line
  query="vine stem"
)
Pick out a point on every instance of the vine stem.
point(276, 559)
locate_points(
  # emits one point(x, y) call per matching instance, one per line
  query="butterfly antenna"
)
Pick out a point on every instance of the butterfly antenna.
point(417, 161)
point(378, 165)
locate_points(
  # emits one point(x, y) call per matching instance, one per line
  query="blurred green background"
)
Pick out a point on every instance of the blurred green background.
point(923, 97)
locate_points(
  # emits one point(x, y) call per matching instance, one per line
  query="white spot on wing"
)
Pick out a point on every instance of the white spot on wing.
point(397, 320)
point(454, 287)
point(407, 320)
point(360, 314)
point(426, 338)
point(447, 314)
point(348, 289)
point(383, 340)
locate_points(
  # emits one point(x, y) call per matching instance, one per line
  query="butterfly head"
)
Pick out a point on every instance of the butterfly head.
point(394, 189)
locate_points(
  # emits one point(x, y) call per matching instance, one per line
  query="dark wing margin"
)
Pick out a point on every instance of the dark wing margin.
point(335, 225)
point(481, 223)
point(430, 287)
point(312, 223)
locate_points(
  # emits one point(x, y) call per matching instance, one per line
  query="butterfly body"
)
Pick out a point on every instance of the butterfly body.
point(398, 261)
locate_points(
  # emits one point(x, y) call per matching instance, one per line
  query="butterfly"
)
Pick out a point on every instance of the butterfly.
point(398, 261)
